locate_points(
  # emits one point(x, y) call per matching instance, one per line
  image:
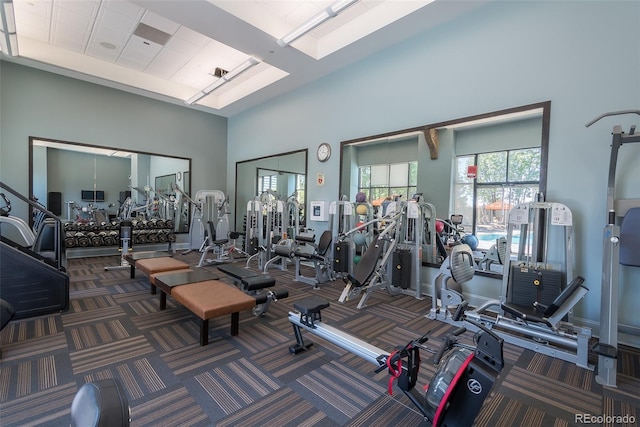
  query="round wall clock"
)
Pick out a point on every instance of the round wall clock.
point(324, 152)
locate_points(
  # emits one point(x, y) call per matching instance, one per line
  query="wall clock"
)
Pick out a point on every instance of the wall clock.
point(324, 152)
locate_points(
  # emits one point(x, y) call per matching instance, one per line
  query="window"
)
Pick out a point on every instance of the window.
point(300, 186)
point(382, 180)
point(503, 180)
point(267, 182)
point(285, 185)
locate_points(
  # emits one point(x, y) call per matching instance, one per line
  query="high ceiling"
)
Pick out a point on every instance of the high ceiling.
point(179, 50)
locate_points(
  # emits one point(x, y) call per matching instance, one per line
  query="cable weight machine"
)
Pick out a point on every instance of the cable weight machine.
point(618, 248)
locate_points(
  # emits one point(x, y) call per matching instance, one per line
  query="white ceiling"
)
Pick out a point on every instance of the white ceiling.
point(102, 41)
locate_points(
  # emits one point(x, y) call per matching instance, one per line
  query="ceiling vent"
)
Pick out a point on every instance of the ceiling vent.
point(152, 34)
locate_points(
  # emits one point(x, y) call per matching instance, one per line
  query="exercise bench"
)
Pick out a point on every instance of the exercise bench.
point(211, 299)
point(133, 257)
point(253, 284)
point(166, 281)
point(151, 266)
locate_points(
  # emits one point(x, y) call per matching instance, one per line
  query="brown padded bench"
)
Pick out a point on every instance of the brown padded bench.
point(167, 280)
point(134, 257)
point(159, 265)
point(211, 299)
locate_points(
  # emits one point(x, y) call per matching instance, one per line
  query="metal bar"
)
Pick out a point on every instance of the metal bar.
point(348, 342)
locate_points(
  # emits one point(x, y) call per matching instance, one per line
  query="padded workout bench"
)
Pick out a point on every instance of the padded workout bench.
point(133, 257)
point(166, 281)
point(253, 284)
point(152, 266)
point(247, 279)
point(211, 299)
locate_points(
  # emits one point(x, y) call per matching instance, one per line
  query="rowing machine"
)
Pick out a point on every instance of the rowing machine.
point(456, 392)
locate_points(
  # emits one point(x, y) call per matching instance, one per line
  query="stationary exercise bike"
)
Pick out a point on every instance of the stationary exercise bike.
point(456, 392)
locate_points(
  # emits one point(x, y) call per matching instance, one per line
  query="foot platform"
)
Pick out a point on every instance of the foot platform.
point(605, 350)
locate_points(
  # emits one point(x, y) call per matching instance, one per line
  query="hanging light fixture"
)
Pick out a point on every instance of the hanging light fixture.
point(224, 79)
point(8, 36)
point(330, 12)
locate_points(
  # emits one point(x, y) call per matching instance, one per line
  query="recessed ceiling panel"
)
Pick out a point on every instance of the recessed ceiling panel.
point(179, 44)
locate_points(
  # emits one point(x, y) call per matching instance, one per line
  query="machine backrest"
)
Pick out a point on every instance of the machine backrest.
point(630, 238)
point(211, 232)
point(368, 262)
point(324, 243)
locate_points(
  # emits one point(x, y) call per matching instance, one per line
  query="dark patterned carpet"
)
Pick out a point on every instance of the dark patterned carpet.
point(114, 329)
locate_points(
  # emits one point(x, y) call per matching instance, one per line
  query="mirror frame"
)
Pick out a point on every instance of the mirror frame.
point(306, 181)
point(35, 138)
point(426, 129)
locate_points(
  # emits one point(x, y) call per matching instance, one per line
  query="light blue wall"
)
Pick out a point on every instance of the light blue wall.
point(583, 56)
point(46, 105)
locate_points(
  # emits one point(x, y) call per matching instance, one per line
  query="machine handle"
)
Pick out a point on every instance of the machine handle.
point(448, 342)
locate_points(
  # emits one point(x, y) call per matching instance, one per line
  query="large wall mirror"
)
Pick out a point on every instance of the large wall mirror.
point(477, 166)
point(91, 183)
point(283, 174)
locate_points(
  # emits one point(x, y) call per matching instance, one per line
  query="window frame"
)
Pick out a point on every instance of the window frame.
point(477, 185)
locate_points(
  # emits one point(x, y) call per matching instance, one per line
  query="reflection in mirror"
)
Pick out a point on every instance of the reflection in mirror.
point(471, 169)
point(284, 174)
point(85, 183)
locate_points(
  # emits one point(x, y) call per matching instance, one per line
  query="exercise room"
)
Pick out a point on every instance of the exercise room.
point(319, 213)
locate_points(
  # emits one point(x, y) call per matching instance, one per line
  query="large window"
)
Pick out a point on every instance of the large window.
point(267, 182)
point(288, 183)
point(502, 180)
point(383, 180)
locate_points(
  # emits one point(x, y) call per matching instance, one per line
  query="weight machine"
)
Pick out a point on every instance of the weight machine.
point(535, 306)
point(407, 233)
point(295, 224)
point(341, 220)
point(372, 270)
point(267, 225)
point(209, 206)
point(125, 233)
point(620, 246)
point(456, 392)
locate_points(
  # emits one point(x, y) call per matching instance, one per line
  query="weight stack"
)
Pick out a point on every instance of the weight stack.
point(531, 285)
point(341, 257)
point(401, 275)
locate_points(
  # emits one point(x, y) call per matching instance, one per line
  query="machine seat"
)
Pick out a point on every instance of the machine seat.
point(311, 305)
point(533, 314)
